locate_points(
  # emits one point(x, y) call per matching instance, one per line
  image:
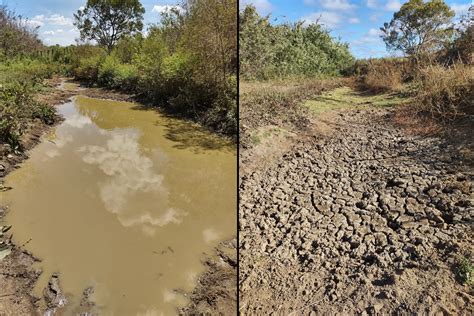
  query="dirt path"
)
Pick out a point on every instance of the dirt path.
point(363, 220)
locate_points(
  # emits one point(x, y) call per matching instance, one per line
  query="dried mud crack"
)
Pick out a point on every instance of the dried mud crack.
point(365, 221)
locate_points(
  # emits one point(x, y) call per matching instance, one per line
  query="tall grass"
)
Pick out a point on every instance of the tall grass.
point(445, 92)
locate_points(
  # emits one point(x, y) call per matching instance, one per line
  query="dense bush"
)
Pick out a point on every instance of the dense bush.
point(288, 50)
point(17, 109)
point(88, 69)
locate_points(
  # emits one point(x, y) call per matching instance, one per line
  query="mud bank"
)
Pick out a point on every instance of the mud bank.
point(216, 292)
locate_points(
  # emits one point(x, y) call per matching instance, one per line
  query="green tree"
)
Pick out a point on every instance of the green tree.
point(419, 27)
point(210, 34)
point(107, 21)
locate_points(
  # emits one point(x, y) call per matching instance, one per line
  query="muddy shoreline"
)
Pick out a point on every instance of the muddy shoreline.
point(18, 275)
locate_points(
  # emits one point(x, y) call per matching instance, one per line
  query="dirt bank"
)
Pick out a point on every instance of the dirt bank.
point(361, 218)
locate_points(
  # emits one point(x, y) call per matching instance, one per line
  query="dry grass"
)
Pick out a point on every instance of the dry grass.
point(445, 93)
point(382, 75)
point(414, 123)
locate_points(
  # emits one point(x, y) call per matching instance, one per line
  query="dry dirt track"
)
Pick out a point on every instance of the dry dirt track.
point(367, 220)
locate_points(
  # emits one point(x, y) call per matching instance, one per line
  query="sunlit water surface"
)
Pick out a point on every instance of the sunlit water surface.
point(125, 200)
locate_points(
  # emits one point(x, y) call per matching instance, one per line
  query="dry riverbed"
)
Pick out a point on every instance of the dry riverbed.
point(355, 215)
point(215, 290)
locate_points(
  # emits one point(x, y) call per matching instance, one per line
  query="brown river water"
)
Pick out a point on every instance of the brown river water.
point(125, 200)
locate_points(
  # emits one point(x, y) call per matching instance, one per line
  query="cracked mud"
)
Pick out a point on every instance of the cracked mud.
point(367, 221)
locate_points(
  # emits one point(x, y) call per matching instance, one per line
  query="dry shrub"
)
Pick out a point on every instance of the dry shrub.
point(445, 92)
point(382, 75)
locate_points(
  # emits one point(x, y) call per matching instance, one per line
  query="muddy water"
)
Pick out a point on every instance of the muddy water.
point(125, 200)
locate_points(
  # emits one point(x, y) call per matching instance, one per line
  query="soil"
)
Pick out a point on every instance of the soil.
point(357, 216)
point(216, 291)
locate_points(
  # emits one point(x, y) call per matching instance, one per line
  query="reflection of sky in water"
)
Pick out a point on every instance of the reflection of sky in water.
point(114, 172)
point(210, 235)
point(78, 121)
point(130, 173)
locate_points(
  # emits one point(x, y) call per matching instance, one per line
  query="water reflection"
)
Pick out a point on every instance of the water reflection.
point(119, 199)
point(128, 174)
point(78, 121)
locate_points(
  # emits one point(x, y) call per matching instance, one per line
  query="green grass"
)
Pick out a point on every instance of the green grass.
point(465, 271)
point(259, 137)
point(345, 97)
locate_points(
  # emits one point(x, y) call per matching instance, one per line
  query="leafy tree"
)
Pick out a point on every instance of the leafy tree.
point(107, 21)
point(210, 33)
point(419, 27)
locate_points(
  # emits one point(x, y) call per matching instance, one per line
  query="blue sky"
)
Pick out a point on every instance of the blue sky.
point(55, 17)
point(354, 21)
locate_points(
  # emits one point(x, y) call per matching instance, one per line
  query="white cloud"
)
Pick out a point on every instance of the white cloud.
point(393, 5)
point(166, 8)
point(54, 19)
point(374, 17)
point(374, 32)
point(460, 9)
point(371, 37)
point(36, 21)
point(63, 37)
point(57, 19)
point(262, 6)
point(372, 4)
point(326, 18)
point(337, 5)
point(354, 20)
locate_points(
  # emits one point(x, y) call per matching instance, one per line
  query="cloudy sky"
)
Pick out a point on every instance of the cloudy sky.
point(55, 17)
point(354, 21)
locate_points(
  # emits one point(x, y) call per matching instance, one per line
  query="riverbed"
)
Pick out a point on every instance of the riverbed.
point(126, 200)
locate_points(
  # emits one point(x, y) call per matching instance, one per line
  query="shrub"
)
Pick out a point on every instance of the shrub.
point(107, 72)
point(88, 69)
point(382, 75)
point(446, 92)
point(17, 108)
point(126, 77)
